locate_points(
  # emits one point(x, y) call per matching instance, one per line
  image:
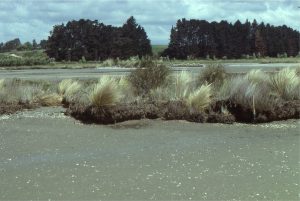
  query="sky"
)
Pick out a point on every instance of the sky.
point(34, 19)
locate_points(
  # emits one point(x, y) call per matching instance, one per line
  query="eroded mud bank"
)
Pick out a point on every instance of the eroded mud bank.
point(176, 110)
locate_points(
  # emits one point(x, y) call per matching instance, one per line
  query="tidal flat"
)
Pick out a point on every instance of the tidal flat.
point(47, 155)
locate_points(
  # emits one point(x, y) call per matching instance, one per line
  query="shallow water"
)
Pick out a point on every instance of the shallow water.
point(46, 155)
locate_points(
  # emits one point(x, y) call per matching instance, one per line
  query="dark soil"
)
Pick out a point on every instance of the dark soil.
point(177, 110)
point(281, 111)
point(172, 110)
point(13, 108)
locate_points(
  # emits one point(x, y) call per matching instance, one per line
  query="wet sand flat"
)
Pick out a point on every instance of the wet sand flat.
point(88, 73)
point(46, 155)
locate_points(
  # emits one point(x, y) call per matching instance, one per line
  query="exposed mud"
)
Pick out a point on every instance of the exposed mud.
point(172, 110)
point(46, 155)
point(280, 111)
point(177, 110)
point(13, 108)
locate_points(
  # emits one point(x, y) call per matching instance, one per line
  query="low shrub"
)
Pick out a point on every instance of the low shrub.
point(8, 60)
point(212, 74)
point(150, 75)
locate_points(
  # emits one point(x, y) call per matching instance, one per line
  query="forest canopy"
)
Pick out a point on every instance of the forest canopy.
point(96, 41)
point(199, 38)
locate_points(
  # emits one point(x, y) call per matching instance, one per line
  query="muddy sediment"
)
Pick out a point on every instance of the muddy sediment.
point(281, 111)
point(172, 110)
point(13, 108)
point(177, 110)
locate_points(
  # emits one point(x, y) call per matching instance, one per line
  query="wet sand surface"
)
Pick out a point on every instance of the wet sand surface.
point(87, 73)
point(46, 155)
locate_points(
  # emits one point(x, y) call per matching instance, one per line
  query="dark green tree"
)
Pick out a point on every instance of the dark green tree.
point(34, 44)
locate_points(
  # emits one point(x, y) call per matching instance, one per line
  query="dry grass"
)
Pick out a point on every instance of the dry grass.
point(71, 90)
point(161, 94)
point(257, 76)
point(63, 85)
point(14, 91)
point(125, 87)
point(105, 92)
point(108, 63)
point(50, 100)
point(183, 85)
point(286, 84)
point(201, 98)
point(151, 75)
point(247, 93)
point(1, 84)
point(212, 74)
point(68, 89)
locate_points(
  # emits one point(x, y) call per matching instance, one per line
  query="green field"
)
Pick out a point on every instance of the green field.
point(156, 49)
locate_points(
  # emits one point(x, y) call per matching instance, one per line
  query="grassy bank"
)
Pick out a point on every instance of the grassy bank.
point(39, 60)
point(153, 92)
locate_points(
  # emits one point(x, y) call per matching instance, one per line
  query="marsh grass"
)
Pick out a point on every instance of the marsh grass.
point(248, 92)
point(183, 85)
point(201, 98)
point(63, 85)
point(71, 90)
point(213, 74)
point(52, 99)
point(105, 92)
point(286, 84)
point(149, 76)
point(1, 83)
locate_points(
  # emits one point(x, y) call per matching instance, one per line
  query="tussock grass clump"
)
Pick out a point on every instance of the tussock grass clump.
point(63, 85)
point(183, 85)
point(108, 63)
point(71, 91)
point(286, 84)
point(15, 91)
point(105, 92)
point(248, 93)
point(161, 94)
point(201, 98)
point(257, 76)
point(67, 89)
point(52, 99)
point(125, 86)
point(1, 83)
point(212, 74)
point(149, 76)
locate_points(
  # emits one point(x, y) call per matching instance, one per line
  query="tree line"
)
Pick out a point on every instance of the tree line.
point(199, 38)
point(16, 44)
point(92, 40)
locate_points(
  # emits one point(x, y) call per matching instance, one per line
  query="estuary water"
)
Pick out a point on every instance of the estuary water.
point(45, 155)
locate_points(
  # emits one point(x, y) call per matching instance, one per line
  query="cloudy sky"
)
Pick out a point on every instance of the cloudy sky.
point(29, 19)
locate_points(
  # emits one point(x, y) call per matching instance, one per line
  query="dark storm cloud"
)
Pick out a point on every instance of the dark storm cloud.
point(28, 19)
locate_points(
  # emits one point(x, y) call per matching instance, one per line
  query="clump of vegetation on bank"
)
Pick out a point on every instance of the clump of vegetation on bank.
point(245, 98)
point(16, 94)
point(105, 92)
point(150, 75)
point(27, 58)
point(152, 92)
